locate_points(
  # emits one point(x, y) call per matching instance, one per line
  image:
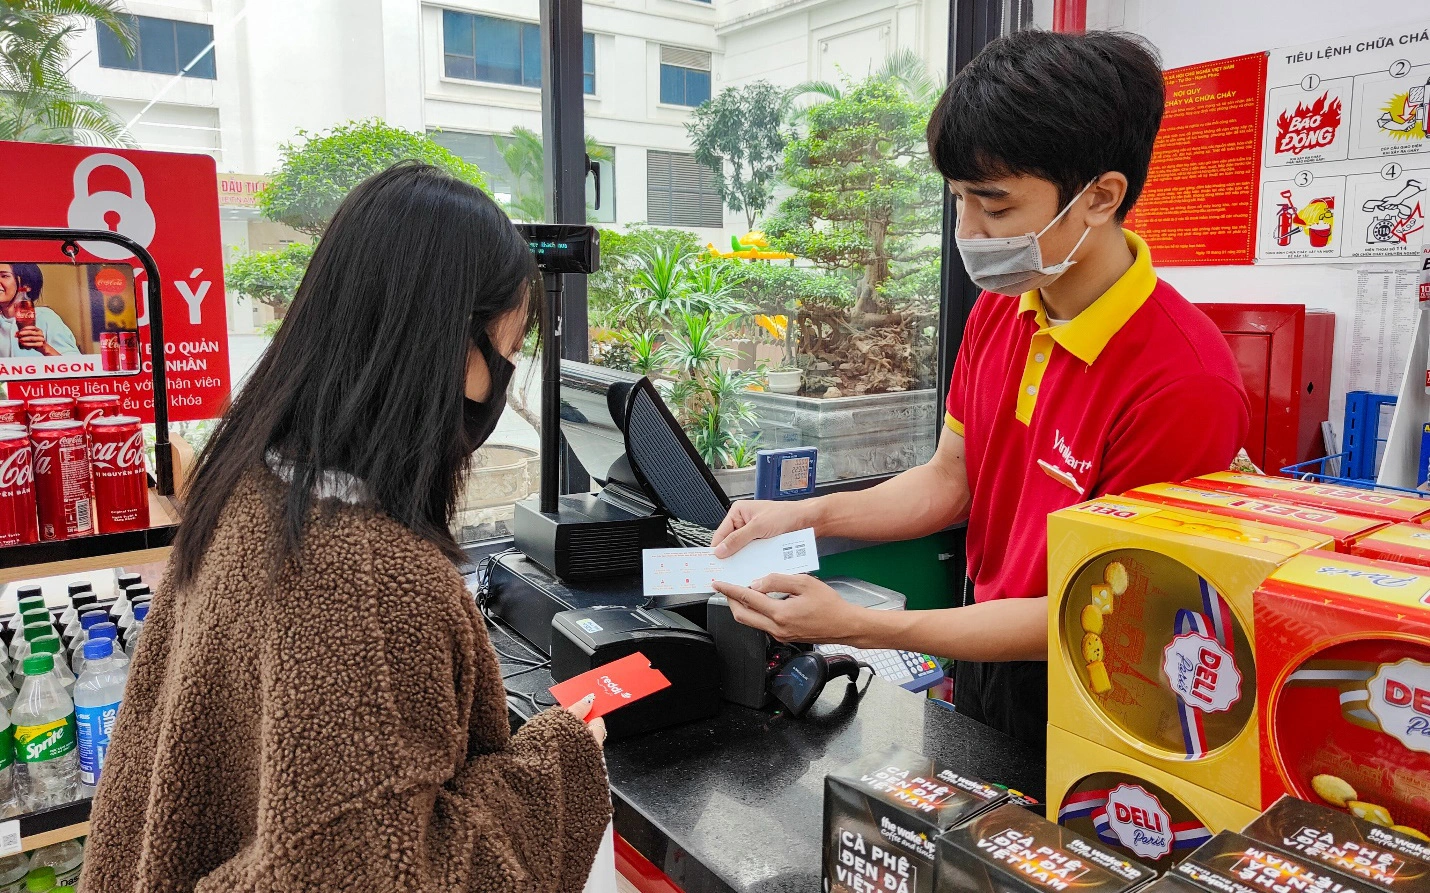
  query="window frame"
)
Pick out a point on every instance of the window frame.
point(704, 191)
point(202, 67)
point(526, 31)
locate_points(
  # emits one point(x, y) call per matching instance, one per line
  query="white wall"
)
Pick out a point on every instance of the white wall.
point(1187, 33)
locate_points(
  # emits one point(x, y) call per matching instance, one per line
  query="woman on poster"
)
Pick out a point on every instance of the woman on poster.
point(47, 335)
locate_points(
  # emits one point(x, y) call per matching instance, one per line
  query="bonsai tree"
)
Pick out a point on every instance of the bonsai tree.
point(866, 197)
point(318, 170)
point(270, 277)
point(739, 135)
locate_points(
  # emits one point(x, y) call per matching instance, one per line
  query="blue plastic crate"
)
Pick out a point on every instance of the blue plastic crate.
point(1358, 462)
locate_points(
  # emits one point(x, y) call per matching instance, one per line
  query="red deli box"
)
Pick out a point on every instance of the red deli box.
point(1343, 685)
point(1351, 500)
point(1406, 543)
point(1344, 528)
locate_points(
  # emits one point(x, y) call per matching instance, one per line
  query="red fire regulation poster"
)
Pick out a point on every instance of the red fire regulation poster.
point(166, 202)
point(1199, 204)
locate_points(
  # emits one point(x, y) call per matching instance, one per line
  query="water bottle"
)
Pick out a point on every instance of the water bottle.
point(111, 632)
point(141, 613)
point(40, 880)
point(23, 606)
point(126, 619)
point(31, 632)
point(71, 612)
point(45, 752)
point(8, 693)
point(9, 803)
point(88, 621)
point(51, 645)
point(12, 873)
point(96, 705)
point(64, 859)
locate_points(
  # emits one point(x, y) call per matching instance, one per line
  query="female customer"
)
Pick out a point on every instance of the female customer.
point(44, 332)
point(316, 705)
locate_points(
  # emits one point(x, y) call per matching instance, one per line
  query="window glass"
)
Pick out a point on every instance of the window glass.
point(112, 53)
point(499, 55)
point(157, 52)
point(459, 45)
point(588, 62)
point(193, 39)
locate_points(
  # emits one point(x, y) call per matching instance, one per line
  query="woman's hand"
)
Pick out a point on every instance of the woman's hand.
point(597, 726)
point(33, 338)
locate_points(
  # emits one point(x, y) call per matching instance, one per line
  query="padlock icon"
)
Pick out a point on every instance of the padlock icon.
point(89, 210)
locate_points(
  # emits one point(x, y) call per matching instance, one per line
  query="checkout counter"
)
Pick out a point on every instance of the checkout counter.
point(732, 803)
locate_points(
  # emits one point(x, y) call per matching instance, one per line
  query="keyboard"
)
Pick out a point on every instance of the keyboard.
point(691, 536)
point(914, 672)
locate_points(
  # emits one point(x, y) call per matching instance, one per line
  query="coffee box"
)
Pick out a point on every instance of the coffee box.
point(1171, 883)
point(1143, 813)
point(1011, 850)
point(1351, 500)
point(1343, 681)
point(1150, 632)
point(1343, 528)
point(1231, 863)
point(1406, 543)
point(1370, 853)
point(883, 816)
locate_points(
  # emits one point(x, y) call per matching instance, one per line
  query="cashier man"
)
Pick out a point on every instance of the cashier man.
point(1080, 372)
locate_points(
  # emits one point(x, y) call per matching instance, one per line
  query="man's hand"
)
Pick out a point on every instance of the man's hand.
point(813, 613)
point(756, 519)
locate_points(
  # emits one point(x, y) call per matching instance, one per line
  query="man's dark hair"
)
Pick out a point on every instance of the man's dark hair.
point(367, 374)
point(1061, 107)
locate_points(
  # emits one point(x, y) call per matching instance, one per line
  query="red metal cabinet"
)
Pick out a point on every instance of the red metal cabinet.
point(1284, 353)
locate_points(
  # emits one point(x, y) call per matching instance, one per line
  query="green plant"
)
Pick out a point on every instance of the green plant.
point(38, 102)
point(318, 170)
point(738, 135)
point(270, 277)
point(645, 350)
point(742, 455)
point(270, 328)
point(658, 286)
point(711, 287)
point(523, 154)
point(706, 399)
point(866, 196)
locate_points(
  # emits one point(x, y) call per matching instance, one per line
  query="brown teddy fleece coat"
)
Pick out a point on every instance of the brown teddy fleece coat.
point(344, 728)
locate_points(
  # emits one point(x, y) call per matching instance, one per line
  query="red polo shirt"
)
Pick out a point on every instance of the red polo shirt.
point(1139, 388)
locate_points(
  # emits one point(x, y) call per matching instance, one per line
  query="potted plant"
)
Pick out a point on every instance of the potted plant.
point(784, 379)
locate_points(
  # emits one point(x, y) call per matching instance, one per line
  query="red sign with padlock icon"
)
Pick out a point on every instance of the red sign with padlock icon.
point(166, 202)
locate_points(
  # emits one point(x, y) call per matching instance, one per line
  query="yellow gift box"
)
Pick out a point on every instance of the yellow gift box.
point(1150, 635)
point(1139, 811)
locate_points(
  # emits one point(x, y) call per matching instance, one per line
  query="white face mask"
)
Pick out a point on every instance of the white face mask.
point(1013, 265)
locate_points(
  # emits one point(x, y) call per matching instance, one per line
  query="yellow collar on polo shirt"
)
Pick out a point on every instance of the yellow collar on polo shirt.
point(1088, 333)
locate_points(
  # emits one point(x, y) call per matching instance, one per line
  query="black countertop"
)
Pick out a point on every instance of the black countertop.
point(735, 802)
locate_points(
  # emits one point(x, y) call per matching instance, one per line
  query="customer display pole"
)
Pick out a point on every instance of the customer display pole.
point(551, 391)
point(563, 126)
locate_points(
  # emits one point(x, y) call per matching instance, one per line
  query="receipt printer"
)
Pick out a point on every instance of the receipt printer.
point(684, 653)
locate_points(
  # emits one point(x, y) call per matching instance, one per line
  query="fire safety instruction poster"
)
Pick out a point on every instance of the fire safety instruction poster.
point(1345, 156)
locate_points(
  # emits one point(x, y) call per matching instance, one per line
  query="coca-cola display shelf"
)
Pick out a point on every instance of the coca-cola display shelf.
point(101, 551)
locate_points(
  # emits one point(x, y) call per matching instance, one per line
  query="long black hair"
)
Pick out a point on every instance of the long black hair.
point(366, 374)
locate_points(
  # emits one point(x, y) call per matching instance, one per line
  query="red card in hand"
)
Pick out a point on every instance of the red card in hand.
point(615, 685)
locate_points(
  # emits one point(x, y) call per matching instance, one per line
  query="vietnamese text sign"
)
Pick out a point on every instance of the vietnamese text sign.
point(1199, 204)
point(168, 203)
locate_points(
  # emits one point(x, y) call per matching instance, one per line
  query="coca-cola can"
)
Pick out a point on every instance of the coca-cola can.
point(62, 486)
point(17, 487)
point(129, 351)
point(12, 412)
point(109, 352)
point(92, 406)
point(49, 409)
point(121, 484)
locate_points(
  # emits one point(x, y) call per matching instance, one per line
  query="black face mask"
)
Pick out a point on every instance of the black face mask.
point(480, 419)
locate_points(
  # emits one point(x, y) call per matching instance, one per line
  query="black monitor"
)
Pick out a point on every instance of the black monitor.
point(627, 439)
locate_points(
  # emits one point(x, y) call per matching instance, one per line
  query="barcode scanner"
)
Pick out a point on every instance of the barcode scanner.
point(798, 683)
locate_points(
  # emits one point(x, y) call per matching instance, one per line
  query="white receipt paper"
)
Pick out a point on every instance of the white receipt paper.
point(691, 571)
